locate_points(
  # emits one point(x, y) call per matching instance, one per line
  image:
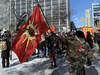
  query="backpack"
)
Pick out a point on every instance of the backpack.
point(3, 45)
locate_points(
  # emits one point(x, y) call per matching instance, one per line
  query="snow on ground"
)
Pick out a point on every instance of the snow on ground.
point(34, 66)
point(40, 66)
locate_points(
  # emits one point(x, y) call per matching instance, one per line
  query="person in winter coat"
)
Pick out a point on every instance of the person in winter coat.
point(40, 49)
point(98, 39)
point(89, 39)
point(65, 42)
point(77, 53)
point(6, 53)
point(46, 46)
point(52, 51)
point(95, 34)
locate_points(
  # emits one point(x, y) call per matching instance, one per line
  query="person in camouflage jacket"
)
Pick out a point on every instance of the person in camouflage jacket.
point(77, 51)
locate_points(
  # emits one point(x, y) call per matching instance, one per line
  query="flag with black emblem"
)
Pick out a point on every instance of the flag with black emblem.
point(29, 35)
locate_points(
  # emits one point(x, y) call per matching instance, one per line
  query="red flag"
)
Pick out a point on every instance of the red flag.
point(52, 28)
point(30, 35)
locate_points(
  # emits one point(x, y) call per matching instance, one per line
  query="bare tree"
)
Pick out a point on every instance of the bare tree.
point(72, 26)
point(72, 12)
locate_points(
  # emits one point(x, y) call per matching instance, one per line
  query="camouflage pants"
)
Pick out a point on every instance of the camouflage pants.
point(76, 70)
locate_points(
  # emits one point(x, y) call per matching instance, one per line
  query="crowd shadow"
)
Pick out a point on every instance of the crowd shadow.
point(38, 68)
point(91, 71)
point(62, 68)
point(62, 65)
point(41, 68)
point(18, 62)
point(14, 64)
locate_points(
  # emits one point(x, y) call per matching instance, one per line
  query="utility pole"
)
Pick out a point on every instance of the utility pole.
point(68, 11)
point(9, 29)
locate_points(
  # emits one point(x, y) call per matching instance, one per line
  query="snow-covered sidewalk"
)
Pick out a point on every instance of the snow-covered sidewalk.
point(39, 66)
point(34, 66)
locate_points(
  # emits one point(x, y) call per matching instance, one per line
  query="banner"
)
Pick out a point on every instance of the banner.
point(29, 35)
point(86, 29)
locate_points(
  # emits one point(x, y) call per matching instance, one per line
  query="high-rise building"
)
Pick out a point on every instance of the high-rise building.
point(87, 17)
point(4, 14)
point(55, 11)
point(95, 13)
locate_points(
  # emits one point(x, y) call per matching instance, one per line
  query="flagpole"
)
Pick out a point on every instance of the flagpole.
point(44, 15)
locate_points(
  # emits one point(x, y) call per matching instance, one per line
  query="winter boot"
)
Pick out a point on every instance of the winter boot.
point(55, 66)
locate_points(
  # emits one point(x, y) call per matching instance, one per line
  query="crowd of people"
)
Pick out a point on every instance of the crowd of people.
point(77, 46)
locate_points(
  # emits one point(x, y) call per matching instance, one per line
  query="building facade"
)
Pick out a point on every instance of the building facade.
point(55, 11)
point(4, 14)
point(95, 13)
point(88, 18)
